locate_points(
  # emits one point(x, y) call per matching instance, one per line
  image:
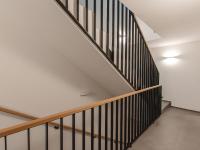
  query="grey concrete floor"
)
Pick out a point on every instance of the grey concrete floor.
point(176, 129)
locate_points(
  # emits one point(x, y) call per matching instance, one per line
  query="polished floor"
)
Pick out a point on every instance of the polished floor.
point(176, 129)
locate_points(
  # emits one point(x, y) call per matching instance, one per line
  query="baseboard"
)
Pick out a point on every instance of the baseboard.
point(168, 106)
point(186, 109)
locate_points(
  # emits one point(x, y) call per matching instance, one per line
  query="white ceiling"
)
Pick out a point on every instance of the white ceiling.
point(176, 21)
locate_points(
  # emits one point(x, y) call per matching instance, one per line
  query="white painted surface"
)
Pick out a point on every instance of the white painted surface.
point(180, 80)
point(46, 64)
point(176, 21)
point(46, 61)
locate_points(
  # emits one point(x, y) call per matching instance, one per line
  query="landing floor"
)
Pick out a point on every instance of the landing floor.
point(176, 129)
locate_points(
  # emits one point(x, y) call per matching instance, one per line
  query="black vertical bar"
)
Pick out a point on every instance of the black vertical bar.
point(5, 142)
point(99, 129)
point(122, 38)
point(116, 132)
point(46, 136)
point(108, 27)
point(138, 115)
point(129, 121)
point(133, 51)
point(136, 57)
point(121, 124)
point(61, 134)
point(101, 24)
point(132, 119)
point(129, 47)
point(92, 129)
point(125, 123)
point(73, 132)
point(94, 17)
point(83, 132)
point(118, 6)
point(111, 127)
point(86, 17)
point(135, 118)
point(126, 32)
point(113, 25)
point(77, 9)
point(66, 4)
point(29, 139)
point(106, 126)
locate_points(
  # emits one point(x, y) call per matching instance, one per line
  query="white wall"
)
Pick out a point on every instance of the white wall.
point(39, 46)
point(180, 80)
point(46, 62)
point(43, 82)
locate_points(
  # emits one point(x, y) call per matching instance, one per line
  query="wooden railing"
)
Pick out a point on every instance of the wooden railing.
point(133, 113)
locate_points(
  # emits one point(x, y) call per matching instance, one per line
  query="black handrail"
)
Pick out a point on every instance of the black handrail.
point(124, 44)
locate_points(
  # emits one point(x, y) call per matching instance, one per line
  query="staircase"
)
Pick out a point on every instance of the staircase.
point(114, 123)
point(113, 29)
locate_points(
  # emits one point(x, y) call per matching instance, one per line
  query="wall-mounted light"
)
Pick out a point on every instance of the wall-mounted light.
point(171, 61)
point(171, 53)
point(171, 57)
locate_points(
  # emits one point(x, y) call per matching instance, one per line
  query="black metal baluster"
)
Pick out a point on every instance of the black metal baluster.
point(136, 58)
point(99, 129)
point(83, 130)
point(138, 115)
point(116, 132)
point(29, 139)
point(133, 116)
point(125, 123)
point(108, 26)
point(86, 17)
point(113, 25)
point(101, 24)
point(129, 121)
point(46, 136)
point(134, 52)
point(94, 19)
point(66, 4)
point(142, 85)
point(77, 9)
point(111, 127)
point(129, 47)
point(140, 128)
point(73, 131)
point(136, 119)
point(122, 38)
point(121, 125)
point(92, 129)
point(118, 9)
point(61, 134)
point(126, 32)
point(5, 142)
point(106, 126)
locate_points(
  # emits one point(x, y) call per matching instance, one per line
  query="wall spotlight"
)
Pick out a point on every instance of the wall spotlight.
point(171, 61)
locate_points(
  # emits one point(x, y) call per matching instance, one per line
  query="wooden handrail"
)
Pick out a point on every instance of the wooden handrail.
point(52, 124)
point(50, 118)
point(31, 117)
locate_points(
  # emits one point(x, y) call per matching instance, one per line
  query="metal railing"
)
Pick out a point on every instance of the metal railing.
point(126, 117)
point(113, 28)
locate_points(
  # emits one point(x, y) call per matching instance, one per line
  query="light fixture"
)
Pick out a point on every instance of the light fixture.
point(171, 61)
point(171, 53)
point(170, 57)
